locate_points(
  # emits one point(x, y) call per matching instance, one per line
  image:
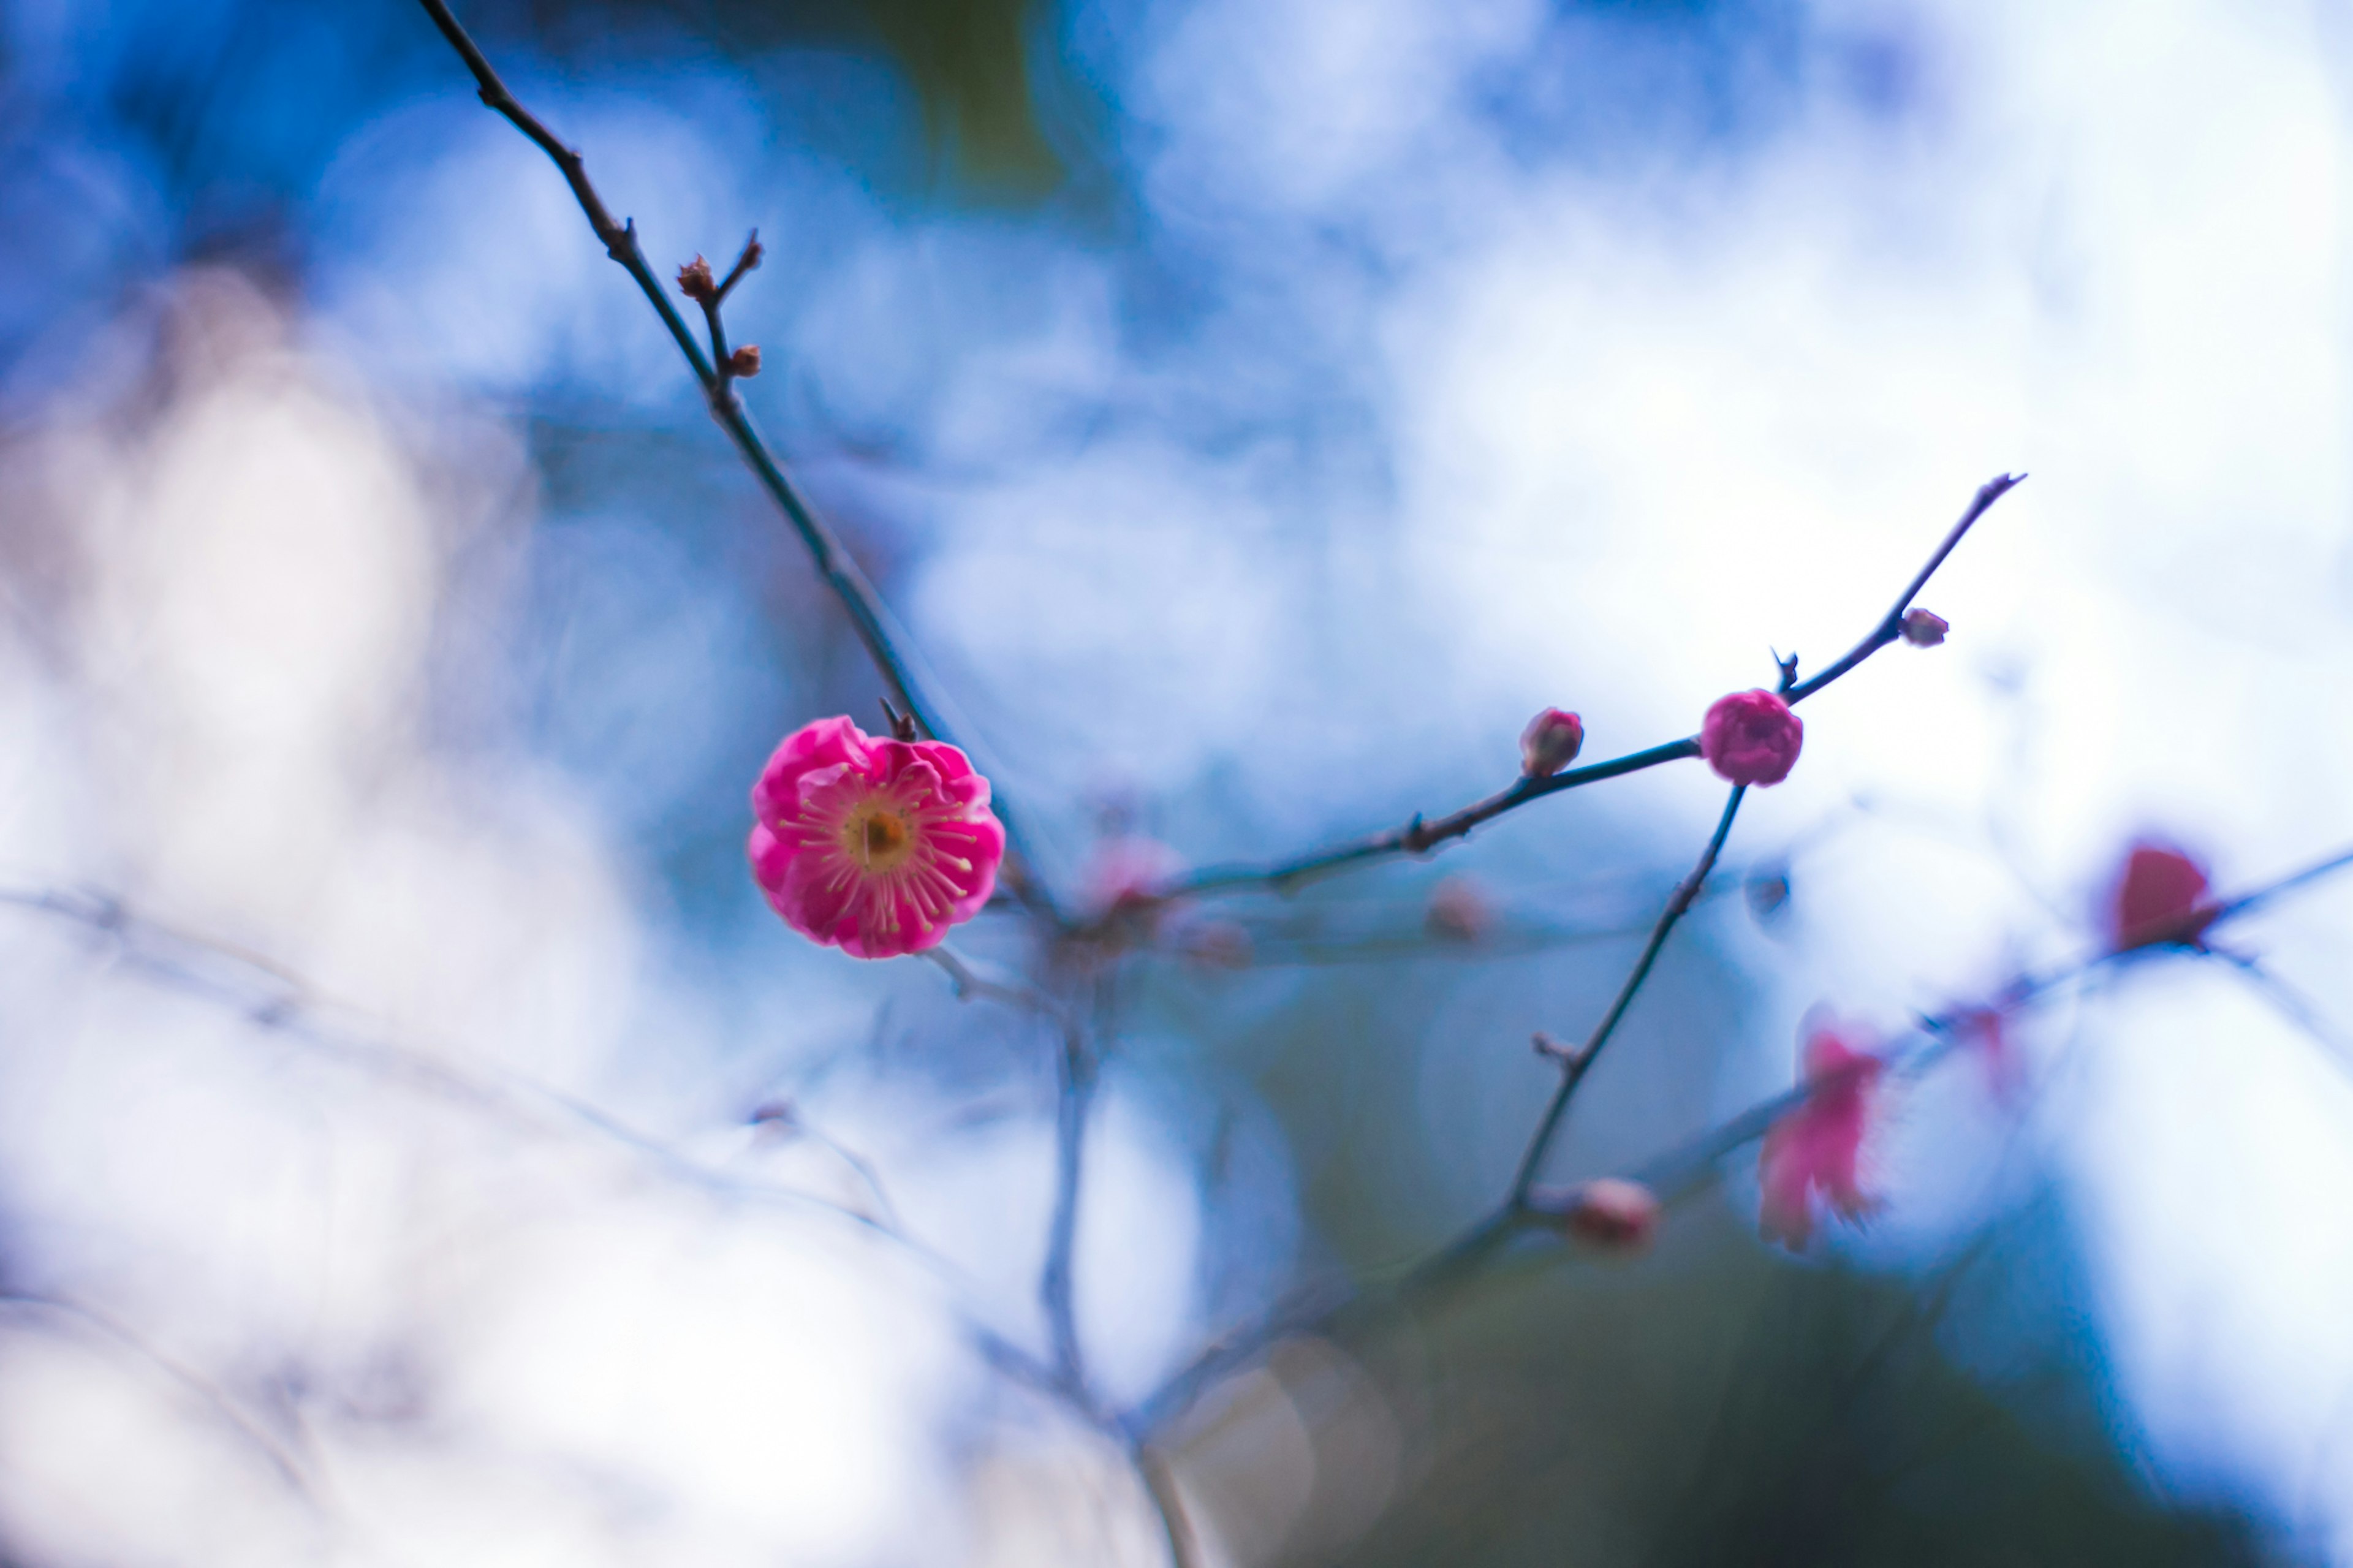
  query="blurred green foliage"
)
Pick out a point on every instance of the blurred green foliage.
point(1710, 1405)
point(976, 68)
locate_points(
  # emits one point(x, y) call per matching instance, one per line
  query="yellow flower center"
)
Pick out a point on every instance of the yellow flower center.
point(878, 840)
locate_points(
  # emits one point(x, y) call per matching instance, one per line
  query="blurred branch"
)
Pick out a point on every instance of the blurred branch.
point(1676, 1175)
point(214, 1398)
point(1078, 1073)
point(1890, 627)
point(1575, 1065)
point(1160, 1481)
point(1419, 835)
point(1075, 1076)
point(288, 1007)
point(2293, 1004)
point(970, 984)
point(887, 642)
point(1673, 1174)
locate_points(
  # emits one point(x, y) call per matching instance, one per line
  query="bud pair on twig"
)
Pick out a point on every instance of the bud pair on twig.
point(698, 283)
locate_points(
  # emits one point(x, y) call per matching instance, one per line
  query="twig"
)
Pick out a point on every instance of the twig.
point(1076, 1080)
point(1676, 1175)
point(2289, 883)
point(210, 1394)
point(970, 985)
point(1892, 625)
point(1575, 1067)
point(887, 642)
point(1160, 1484)
point(292, 1012)
point(2293, 1005)
point(1419, 836)
point(1075, 1076)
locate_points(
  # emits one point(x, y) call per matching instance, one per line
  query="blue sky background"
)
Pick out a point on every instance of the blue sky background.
point(1255, 434)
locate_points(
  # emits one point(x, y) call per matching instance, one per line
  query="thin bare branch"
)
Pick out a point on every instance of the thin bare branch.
point(1574, 1067)
point(1892, 625)
point(292, 1009)
point(971, 984)
point(2298, 1009)
point(887, 642)
point(1160, 1484)
point(1419, 835)
point(1676, 1175)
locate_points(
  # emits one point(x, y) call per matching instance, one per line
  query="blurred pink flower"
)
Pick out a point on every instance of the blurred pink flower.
point(1751, 738)
point(2160, 897)
point(1550, 743)
point(1127, 870)
point(871, 845)
point(1983, 1028)
point(1459, 910)
point(1815, 1146)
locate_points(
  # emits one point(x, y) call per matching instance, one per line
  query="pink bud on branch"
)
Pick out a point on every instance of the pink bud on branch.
point(1751, 738)
point(1611, 1215)
point(2160, 899)
point(744, 362)
point(876, 846)
point(1924, 628)
point(1550, 743)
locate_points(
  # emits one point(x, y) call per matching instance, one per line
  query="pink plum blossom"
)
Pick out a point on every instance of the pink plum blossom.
point(873, 846)
point(1814, 1146)
point(1751, 738)
point(2160, 897)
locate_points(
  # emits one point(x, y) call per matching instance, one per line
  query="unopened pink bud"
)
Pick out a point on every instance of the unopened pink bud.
point(744, 362)
point(2160, 898)
point(1925, 628)
point(1612, 1215)
point(1751, 738)
point(1550, 743)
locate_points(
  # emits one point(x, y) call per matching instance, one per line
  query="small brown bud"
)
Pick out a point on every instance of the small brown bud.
point(1218, 945)
point(744, 362)
point(695, 282)
point(1925, 628)
point(1612, 1214)
point(1550, 743)
point(752, 251)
